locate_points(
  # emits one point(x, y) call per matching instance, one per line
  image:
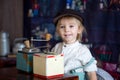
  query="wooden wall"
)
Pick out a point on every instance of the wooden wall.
point(11, 18)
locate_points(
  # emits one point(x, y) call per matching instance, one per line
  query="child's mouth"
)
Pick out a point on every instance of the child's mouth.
point(67, 35)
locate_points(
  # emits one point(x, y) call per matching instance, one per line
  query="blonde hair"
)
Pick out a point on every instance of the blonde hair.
point(79, 36)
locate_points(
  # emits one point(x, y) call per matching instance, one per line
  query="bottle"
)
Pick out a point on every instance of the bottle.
point(73, 4)
point(4, 44)
point(30, 13)
point(68, 4)
point(101, 5)
point(48, 36)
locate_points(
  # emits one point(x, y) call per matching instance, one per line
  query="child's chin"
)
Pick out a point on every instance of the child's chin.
point(68, 42)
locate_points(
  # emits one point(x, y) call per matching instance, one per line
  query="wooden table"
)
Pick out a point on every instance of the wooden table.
point(8, 71)
point(7, 61)
point(11, 73)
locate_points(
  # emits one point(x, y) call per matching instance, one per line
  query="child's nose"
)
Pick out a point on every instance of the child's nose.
point(67, 29)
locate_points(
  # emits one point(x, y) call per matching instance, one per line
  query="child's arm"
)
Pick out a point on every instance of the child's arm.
point(92, 75)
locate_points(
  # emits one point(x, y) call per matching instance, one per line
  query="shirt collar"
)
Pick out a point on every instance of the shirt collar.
point(69, 45)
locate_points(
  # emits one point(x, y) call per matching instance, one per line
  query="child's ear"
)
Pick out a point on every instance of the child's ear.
point(80, 30)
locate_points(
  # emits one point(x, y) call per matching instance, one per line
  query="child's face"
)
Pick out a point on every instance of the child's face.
point(68, 29)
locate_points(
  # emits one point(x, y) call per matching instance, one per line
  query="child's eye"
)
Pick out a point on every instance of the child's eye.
point(71, 26)
point(62, 26)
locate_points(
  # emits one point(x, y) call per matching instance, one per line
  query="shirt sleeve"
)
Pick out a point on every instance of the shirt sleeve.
point(85, 58)
point(57, 49)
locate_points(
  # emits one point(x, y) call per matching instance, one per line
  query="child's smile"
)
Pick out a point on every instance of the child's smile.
point(68, 35)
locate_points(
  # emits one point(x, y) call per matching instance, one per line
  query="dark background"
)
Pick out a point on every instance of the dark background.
point(103, 27)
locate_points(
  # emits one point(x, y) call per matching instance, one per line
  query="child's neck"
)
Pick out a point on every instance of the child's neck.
point(67, 43)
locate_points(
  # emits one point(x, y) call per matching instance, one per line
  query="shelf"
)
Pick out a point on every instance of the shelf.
point(38, 20)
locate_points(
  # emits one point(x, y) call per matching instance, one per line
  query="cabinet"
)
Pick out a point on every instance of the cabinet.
point(41, 19)
point(99, 23)
point(102, 25)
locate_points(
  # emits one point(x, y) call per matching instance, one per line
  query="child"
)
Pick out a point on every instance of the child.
point(69, 27)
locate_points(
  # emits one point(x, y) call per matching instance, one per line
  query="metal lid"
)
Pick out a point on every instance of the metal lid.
point(4, 34)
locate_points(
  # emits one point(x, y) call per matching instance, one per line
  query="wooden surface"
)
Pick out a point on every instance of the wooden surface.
point(11, 73)
point(7, 61)
point(8, 71)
